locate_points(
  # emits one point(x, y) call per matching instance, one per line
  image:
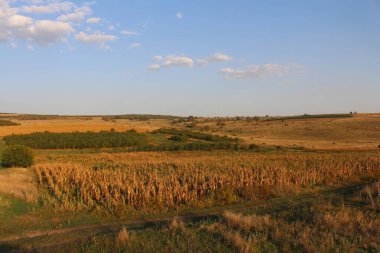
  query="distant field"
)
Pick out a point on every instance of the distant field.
point(357, 132)
point(344, 131)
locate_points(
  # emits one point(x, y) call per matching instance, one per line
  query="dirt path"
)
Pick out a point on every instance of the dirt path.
point(87, 230)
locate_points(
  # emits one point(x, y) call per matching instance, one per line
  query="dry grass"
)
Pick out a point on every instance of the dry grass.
point(19, 183)
point(176, 225)
point(359, 132)
point(371, 195)
point(246, 223)
point(324, 228)
point(79, 124)
point(123, 237)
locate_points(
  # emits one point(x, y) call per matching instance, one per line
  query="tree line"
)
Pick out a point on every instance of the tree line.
point(78, 140)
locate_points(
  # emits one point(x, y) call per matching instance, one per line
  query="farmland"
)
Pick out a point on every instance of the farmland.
point(155, 183)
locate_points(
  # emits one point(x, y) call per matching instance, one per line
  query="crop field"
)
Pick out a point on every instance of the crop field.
point(170, 184)
point(169, 180)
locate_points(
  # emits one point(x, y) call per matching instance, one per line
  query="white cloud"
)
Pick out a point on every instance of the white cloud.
point(129, 33)
point(175, 61)
point(77, 16)
point(18, 21)
point(179, 15)
point(14, 26)
point(171, 61)
point(48, 31)
point(258, 71)
point(94, 20)
point(201, 62)
point(95, 38)
point(219, 57)
point(54, 7)
point(157, 58)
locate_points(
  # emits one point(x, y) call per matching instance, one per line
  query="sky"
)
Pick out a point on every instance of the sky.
point(182, 57)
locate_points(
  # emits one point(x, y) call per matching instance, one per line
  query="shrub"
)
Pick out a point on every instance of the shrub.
point(179, 138)
point(17, 156)
point(254, 147)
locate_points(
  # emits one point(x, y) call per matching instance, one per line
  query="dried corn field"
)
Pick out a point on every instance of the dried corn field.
point(195, 179)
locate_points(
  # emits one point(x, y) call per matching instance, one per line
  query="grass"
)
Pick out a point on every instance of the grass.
point(7, 123)
point(303, 222)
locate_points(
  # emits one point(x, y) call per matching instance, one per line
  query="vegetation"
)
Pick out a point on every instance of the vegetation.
point(322, 225)
point(307, 116)
point(17, 156)
point(7, 123)
point(169, 180)
point(37, 117)
point(140, 117)
point(179, 140)
point(76, 140)
point(195, 135)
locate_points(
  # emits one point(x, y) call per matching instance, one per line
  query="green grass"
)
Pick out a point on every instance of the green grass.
point(2, 147)
point(7, 123)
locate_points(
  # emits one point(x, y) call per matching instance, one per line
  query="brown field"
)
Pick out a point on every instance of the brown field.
point(66, 125)
point(362, 131)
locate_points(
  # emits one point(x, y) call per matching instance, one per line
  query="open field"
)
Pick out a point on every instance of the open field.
point(361, 131)
point(68, 125)
point(312, 187)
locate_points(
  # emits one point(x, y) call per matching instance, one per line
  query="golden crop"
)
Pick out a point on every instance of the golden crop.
point(172, 179)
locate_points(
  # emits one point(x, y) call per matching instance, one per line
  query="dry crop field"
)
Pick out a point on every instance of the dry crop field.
point(321, 198)
point(197, 179)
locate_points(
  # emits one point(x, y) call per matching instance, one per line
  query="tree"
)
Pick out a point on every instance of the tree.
point(17, 156)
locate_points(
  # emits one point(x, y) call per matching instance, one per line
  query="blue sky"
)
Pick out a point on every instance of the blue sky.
point(181, 57)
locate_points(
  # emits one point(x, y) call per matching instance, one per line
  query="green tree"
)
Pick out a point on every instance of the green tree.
point(17, 156)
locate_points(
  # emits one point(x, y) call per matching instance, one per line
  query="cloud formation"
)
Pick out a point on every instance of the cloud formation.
point(219, 57)
point(77, 16)
point(98, 38)
point(259, 71)
point(23, 23)
point(42, 32)
point(94, 20)
point(54, 7)
point(171, 61)
point(185, 61)
point(129, 33)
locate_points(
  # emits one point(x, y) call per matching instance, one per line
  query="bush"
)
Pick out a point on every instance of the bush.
point(179, 138)
point(17, 156)
point(254, 147)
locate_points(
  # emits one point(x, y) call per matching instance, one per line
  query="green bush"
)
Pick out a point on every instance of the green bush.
point(17, 156)
point(179, 138)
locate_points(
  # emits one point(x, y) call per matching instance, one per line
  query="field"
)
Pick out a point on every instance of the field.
point(260, 184)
